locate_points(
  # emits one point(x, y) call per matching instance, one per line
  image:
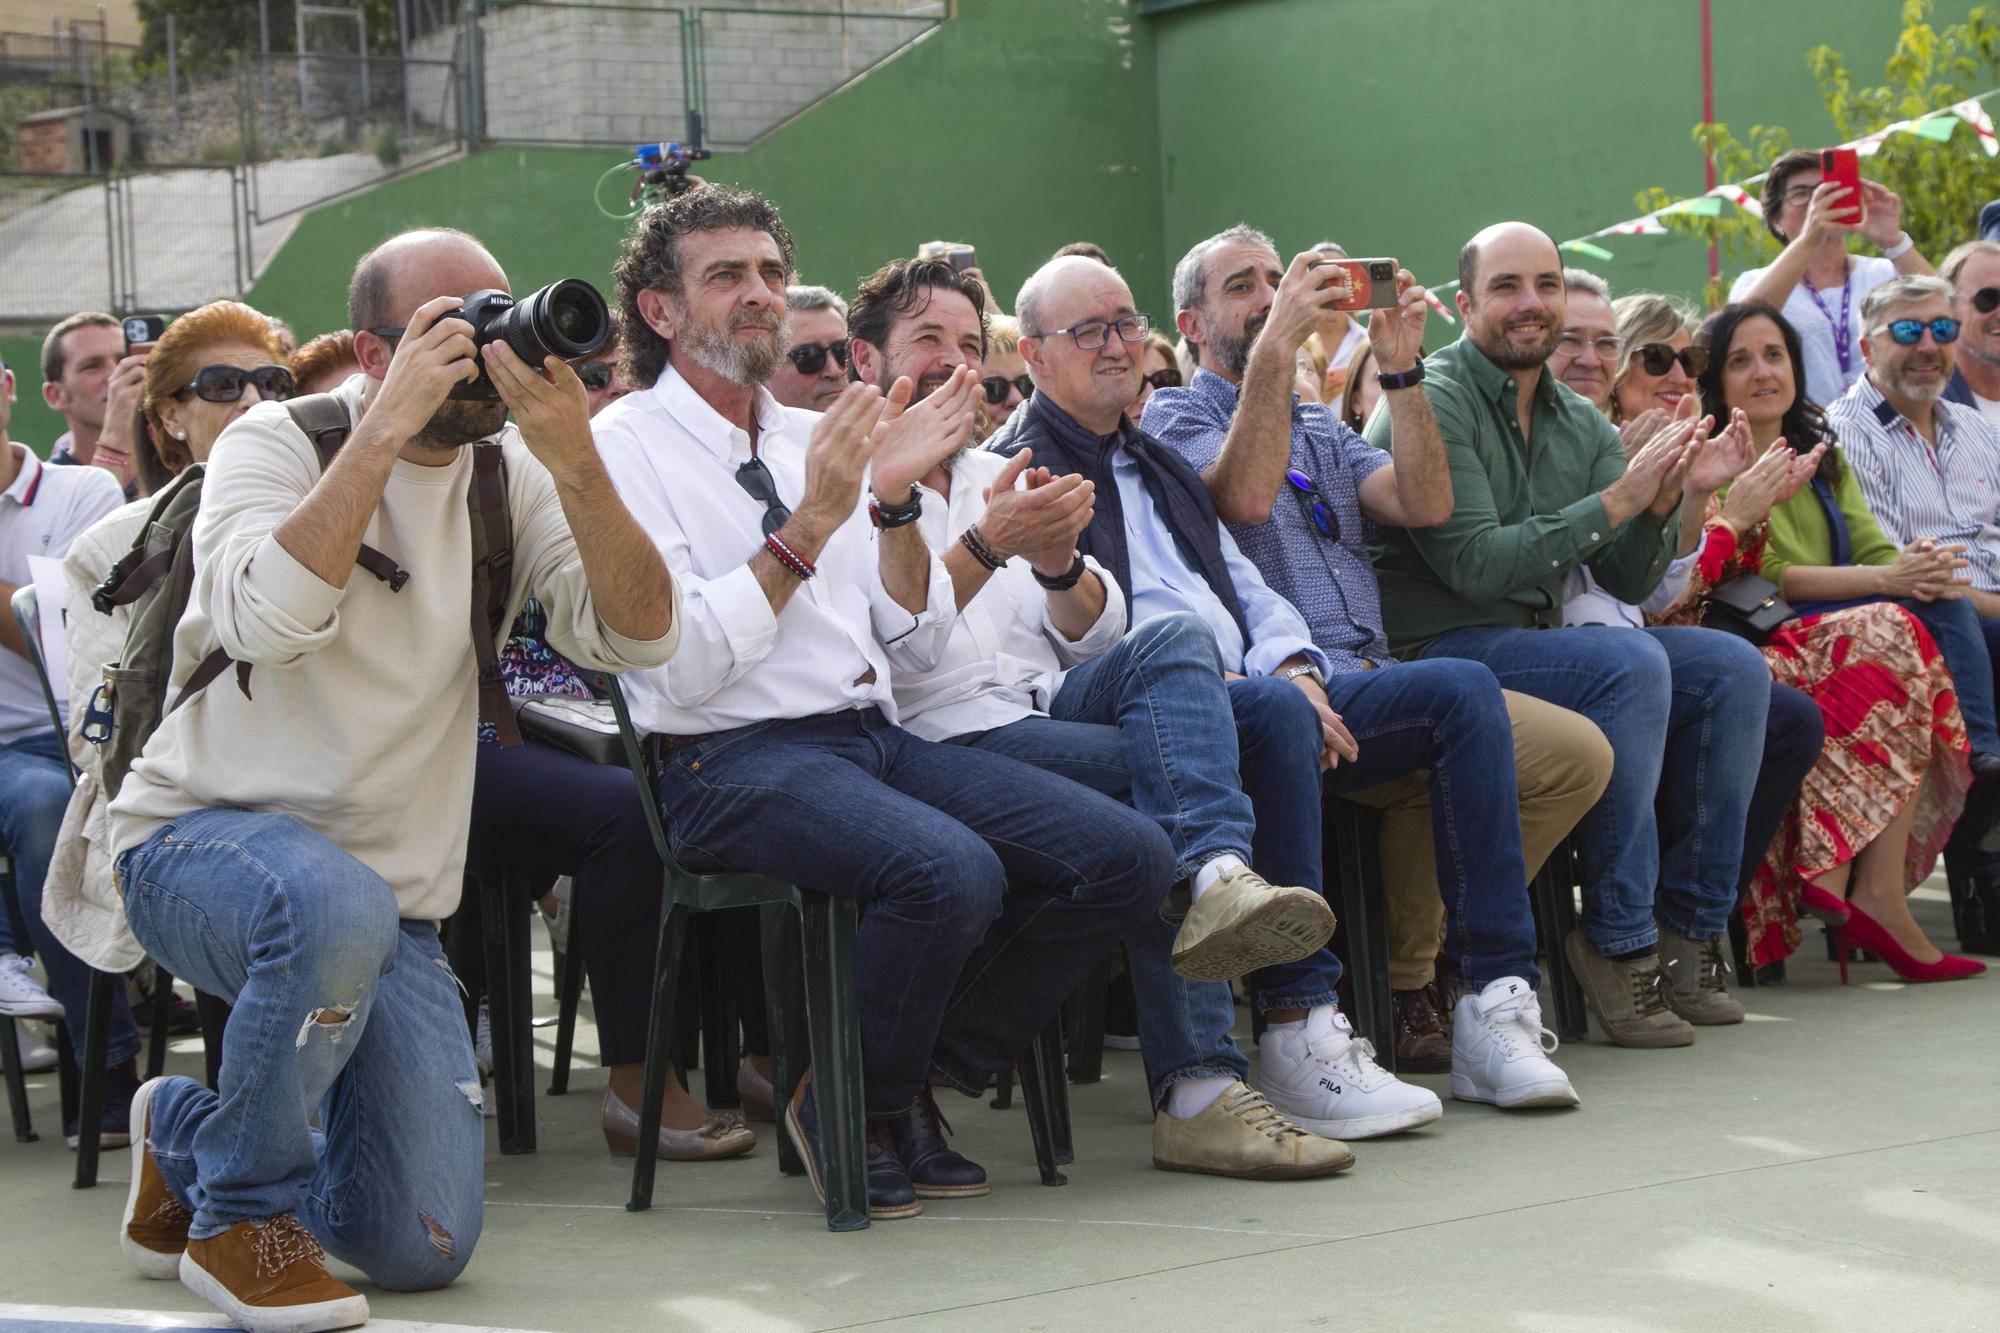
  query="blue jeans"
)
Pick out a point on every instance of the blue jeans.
point(1966, 643)
point(34, 792)
point(1684, 710)
point(1794, 735)
point(1962, 857)
point(293, 932)
point(989, 888)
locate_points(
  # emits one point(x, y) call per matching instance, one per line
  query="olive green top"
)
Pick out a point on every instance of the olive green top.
point(1524, 513)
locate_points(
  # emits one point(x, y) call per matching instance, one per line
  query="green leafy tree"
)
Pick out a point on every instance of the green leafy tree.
point(1942, 173)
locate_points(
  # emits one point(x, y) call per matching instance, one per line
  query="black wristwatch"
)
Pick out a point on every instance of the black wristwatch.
point(1065, 581)
point(886, 516)
point(1406, 380)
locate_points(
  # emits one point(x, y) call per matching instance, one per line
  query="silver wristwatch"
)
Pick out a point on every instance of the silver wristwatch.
point(1307, 669)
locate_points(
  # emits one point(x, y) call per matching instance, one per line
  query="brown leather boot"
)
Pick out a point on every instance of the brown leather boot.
point(155, 1226)
point(269, 1276)
point(1423, 1030)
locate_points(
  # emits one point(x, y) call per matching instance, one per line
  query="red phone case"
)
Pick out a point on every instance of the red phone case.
point(1843, 166)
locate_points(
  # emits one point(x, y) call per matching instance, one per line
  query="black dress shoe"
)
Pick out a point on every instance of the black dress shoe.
point(936, 1172)
point(889, 1192)
point(1979, 825)
point(1975, 911)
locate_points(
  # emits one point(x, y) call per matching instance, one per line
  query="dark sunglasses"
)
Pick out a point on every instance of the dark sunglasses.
point(1910, 332)
point(810, 358)
point(1986, 300)
point(996, 387)
point(755, 478)
point(1658, 358)
point(595, 375)
point(1169, 378)
point(225, 384)
point(1316, 510)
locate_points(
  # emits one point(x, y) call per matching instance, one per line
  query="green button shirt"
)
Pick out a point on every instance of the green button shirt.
point(1523, 513)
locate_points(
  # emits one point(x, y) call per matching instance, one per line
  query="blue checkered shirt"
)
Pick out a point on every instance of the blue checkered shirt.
point(1330, 582)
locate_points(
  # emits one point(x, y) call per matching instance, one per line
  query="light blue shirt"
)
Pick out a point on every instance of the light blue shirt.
point(1163, 581)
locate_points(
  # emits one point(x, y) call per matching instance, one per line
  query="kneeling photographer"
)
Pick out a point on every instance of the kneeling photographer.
point(296, 826)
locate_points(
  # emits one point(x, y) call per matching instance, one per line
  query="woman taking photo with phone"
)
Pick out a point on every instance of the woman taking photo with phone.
point(1878, 806)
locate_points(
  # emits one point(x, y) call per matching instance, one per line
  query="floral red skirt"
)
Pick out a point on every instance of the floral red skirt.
point(1893, 733)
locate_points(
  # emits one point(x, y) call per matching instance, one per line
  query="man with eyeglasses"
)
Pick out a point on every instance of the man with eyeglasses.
point(1440, 756)
point(991, 888)
point(1541, 484)
point(1814, 281)
point(1156, 529)
point(814, 371)
point(1930, 469)
point(1973, 270)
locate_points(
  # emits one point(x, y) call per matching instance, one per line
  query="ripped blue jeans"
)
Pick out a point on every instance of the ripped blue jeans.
point(339, 1007)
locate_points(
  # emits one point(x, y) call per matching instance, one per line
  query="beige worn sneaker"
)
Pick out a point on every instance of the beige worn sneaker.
point(1243, 923)
point(1627, 998)
point(1241, 1134)
point(270, 1276)
point(1696, 980)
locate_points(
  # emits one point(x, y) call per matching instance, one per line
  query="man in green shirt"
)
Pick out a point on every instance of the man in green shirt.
point(1541, 484)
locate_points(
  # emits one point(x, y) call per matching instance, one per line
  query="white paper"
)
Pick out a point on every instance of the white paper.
point(50, 593)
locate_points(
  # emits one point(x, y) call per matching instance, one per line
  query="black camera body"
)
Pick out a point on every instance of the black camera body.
point(567, 320)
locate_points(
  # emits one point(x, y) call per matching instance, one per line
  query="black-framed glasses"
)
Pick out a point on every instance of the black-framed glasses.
point(1094, 333)
point(225, 384)
point(1167, 377)
point(596, 375)
point(1659, 358)
point(810, 358)
point(755, 478)
point(1910, 332)
point(1986, 300)
point(996, 387)
point(1317, 511)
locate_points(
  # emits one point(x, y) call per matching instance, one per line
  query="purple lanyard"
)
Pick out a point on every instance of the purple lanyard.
point(1840, 330)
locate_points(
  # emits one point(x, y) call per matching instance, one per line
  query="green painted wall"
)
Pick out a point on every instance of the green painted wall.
point(1400, 127)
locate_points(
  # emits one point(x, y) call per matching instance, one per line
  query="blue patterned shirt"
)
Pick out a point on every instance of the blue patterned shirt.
point(1330, 581)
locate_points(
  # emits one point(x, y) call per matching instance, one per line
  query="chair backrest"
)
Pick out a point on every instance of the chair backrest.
point(28, 615)
point(635, 759)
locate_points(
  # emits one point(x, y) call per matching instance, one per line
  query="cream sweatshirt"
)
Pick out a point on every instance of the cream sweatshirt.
point(362, 712)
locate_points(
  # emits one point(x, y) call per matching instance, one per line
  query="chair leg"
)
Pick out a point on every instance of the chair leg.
point(1085, 1014)
point(1003, 1089)
point(17, 1083)
point(1552, 896)
point(214, 1012)
point(163, 1011)
point(90, 1104)
point(504, 926)
point(785, 1010)
point(569, 994)
point(1041, 1085)
point(659, 1027)
point(721, 1037)
point(834, 1020)
point(1363, 929)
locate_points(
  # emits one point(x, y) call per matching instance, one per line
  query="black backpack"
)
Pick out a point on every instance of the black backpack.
point(156, 576)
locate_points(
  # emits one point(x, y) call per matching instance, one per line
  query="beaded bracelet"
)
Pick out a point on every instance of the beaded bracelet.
point(981, 552)
point(789, 558)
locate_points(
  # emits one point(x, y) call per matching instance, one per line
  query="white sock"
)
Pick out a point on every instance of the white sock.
point(1213, 870)
point(1191, 1096)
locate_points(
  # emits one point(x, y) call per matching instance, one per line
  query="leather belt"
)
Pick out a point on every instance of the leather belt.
point(657, 746)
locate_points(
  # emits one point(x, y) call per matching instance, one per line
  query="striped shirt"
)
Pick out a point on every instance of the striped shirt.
point(1950, 492)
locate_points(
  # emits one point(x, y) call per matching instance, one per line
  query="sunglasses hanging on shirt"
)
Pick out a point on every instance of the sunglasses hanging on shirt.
point(755, 478)
point(1316, 510)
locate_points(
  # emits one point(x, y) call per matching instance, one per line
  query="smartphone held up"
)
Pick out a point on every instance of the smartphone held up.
point(1372, 283)
point(1842, 166)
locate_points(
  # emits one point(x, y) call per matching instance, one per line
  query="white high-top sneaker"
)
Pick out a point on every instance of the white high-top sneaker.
point(1325, 1079)
point(37, 1056)
point(1500, 1050)
point(21, 996)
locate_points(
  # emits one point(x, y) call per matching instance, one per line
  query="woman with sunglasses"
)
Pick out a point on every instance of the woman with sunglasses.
point(1659, 362)
point(1875, 810)
point(1003, 375)
point(1159, 369)
point(210, 366)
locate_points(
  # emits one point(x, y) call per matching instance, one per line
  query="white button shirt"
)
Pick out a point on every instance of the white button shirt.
point(1006, 658)
point(673, 459)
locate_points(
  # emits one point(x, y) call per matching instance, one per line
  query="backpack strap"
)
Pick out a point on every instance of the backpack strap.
point(323, 418)
point(211, 666)
point(127, 580)
point(492, 560)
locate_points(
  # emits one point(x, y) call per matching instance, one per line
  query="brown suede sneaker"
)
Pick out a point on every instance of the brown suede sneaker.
point(1241, 1134)
point(270, 1276)
point(1696, 980)
point(154, 1230)
point(1626, 997)
point(1423, 1030)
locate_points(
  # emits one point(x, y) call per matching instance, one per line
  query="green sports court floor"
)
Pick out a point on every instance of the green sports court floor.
point(1831, 1164)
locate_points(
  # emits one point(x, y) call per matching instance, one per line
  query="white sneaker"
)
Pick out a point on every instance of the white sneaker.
point(1325, 1079)
point(37, 1056)
point(21, 996)
point(1500, 1050)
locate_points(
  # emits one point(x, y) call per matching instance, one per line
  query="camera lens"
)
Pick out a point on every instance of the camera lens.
point(1382, 272)
point(566, 319)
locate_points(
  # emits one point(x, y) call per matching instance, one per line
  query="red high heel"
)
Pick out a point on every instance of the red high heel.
point(1863, 931)
point(1823, 905)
